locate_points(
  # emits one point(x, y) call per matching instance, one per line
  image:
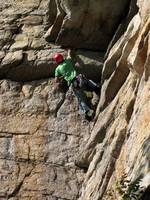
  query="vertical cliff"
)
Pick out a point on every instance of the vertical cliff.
point(48, 150)
point(118, 149)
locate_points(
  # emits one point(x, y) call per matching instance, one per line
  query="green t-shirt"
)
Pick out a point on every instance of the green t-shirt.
point(66, 70)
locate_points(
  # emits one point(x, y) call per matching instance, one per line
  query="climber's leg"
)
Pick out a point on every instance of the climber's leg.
point(81, 100)
point(93, 86)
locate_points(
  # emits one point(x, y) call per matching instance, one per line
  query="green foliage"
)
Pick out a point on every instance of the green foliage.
point(129, 190)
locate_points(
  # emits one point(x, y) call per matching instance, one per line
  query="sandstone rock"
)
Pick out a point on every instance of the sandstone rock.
point(85, 24)
point(138, 56)
point(133, 10)
point(38, 43)
point(116, 66)
point(38, 148)
point(12, 59)
point(27, 4)
point(9, 19)
point(119, 140)
point(41, 63)
point(32, 20)
point(5, 37)
point(2, 55)
point(90, 64)
point(105, 143)
point(21, 42)
point(116, 51)
point(44, 141)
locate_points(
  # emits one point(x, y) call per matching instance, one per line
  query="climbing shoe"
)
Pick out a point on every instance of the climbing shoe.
point(89, 113)
point(88, 94)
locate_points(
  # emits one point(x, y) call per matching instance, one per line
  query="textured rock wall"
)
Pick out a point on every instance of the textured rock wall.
point(49, 151)
point(119, 142)
point(41, 131)
point(24, 53)
point(86, 24)
point(40, 134)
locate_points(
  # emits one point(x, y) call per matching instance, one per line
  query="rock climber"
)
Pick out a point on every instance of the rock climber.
point(66, 71)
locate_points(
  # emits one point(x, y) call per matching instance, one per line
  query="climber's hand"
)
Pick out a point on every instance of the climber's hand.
point(59, 79)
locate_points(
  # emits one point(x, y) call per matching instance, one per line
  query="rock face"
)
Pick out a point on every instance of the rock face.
point(88, 24)
point(40, 134)
point(119, 142)
point(49, 151)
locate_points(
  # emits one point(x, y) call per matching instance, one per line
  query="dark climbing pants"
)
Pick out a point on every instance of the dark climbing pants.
point(82, 99)
point(79, 84)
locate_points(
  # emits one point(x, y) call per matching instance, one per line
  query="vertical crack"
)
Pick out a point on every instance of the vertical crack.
point(54, 30)
point(19, 185)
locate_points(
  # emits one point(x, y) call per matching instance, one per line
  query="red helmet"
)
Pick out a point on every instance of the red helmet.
point(58, 58)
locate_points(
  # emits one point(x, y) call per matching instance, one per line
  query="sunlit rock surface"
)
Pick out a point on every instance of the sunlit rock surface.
point(40, 134)
point(47, 149)
point(119, 143)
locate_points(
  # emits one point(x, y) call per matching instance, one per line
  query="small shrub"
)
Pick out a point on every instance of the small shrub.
point(129, 190)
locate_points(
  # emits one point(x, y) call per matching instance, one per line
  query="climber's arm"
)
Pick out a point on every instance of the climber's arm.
point(58, 79)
